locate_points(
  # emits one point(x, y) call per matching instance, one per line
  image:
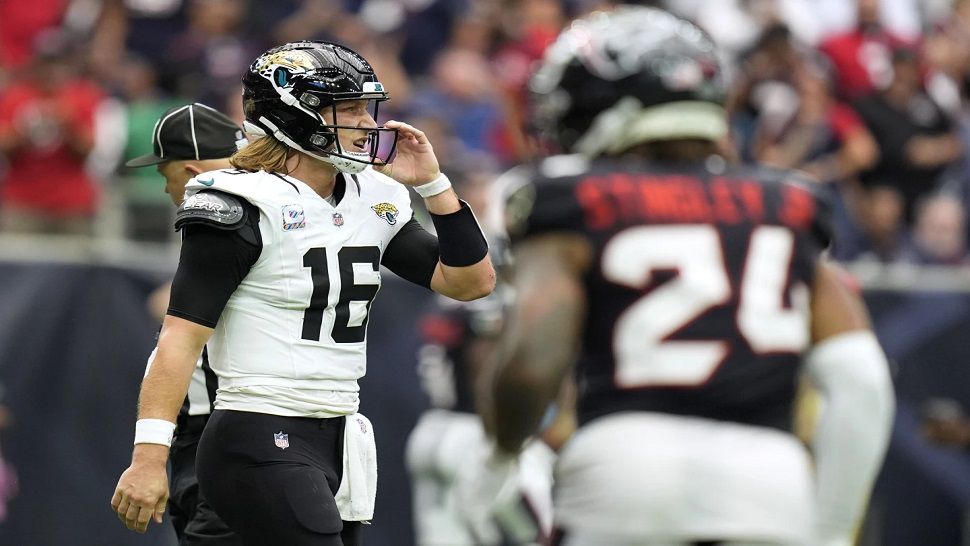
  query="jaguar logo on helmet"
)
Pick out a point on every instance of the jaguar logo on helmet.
point(294, 60)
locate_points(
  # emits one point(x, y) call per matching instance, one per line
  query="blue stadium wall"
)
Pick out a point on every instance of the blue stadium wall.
point(73, 344)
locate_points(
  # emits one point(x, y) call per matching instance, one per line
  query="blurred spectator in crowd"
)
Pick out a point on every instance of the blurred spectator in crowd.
point(475, 28)
point(302, 20)
point(21, 23)
point(144, 28)
point(736, 24)
point(46, 134)
point(527, 29)
point(148, 211)
point(862, 56)
point(946, 51)
point(799, 123)
point(205, 61)
point(460, 91)
point(427, 29)
point(764, 98)
point(940, 232)
point(876, 230)
point(917, 141)
point(902, 18)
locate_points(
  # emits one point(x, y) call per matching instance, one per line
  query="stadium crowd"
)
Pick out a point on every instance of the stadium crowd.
point(870, 97)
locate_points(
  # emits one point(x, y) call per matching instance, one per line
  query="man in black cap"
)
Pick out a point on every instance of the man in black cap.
point(189, 140)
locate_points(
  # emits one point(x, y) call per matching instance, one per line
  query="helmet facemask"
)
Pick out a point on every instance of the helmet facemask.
point(380, 144)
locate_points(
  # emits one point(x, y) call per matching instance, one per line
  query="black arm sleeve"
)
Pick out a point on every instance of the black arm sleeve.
point(412, 254)
point(212, 264)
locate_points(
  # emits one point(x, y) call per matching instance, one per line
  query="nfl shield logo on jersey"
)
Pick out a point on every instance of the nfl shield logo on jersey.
point(338, 219)
point(293, 217)
point(281, 440)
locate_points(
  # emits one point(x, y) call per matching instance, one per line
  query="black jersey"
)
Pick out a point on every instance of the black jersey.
point(698, 293)
point(457, 337)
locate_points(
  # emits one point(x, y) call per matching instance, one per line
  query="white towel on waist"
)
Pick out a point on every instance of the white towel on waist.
point(358, 487)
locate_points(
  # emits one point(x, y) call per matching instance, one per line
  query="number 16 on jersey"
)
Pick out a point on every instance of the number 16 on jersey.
point(354, 298)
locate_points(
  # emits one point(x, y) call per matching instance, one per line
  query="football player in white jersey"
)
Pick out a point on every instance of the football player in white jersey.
point(688, 294)
point(187, 140)
point(280, 262)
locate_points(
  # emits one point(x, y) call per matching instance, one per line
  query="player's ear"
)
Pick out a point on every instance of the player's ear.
point(192, 170)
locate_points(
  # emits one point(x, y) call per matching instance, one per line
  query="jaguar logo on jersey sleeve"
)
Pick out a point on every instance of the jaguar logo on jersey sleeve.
point(386, 211)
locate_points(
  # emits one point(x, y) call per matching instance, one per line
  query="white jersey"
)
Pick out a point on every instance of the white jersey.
point(291, 339)
point(445, 453)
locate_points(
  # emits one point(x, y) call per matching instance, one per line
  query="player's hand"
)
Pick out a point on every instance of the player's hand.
point(142, 492)
point(485, 487)
point(415, 163)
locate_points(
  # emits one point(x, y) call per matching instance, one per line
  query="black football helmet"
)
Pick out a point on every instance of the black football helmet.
point(615, 79)
point(286, 89)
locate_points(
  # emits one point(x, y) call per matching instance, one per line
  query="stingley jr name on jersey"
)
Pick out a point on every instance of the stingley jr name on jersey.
point(291, 340)
point(697, 295)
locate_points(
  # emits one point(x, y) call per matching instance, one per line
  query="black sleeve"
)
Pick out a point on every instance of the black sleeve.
point(412, 254)
point(212, 264)
point(545, 206)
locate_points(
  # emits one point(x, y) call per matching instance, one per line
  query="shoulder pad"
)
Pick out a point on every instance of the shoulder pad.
point(216, 208)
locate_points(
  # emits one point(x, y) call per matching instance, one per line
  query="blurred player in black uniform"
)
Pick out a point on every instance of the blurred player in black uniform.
point(449, 442)
point(687, 293)
point(188, 140)
point(459, 339)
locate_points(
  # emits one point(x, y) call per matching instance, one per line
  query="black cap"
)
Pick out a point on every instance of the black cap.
point(191, 131)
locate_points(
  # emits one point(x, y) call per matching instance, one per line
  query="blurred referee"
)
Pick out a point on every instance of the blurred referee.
point(189, 140)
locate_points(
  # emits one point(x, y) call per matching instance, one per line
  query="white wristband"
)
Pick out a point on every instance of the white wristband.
point(434, 187)
point(154, 431)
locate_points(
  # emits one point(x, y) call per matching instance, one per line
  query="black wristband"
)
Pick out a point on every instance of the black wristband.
point(461, 242)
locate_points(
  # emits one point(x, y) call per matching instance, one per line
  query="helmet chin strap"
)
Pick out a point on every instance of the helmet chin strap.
point(345, 165)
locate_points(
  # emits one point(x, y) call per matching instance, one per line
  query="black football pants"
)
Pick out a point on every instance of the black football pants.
point(273, 479)
point(195, 522)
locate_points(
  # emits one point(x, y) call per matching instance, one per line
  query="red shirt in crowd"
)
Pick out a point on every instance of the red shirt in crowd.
point(862, 60)
point(844, 121)
point(21, 21)
point(45, 173)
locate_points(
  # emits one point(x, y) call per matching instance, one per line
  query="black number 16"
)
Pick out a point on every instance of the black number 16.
point(316, 260)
